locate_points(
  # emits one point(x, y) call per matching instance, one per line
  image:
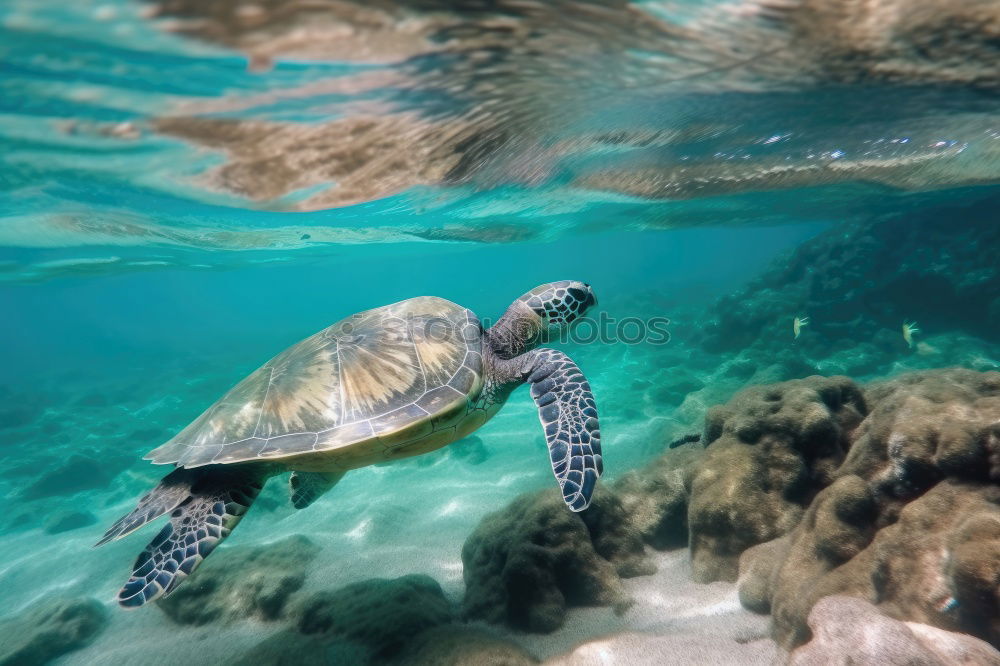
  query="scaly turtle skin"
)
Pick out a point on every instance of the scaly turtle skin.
point(384, 384)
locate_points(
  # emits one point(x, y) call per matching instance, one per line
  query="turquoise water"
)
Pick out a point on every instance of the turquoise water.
point(146, 266)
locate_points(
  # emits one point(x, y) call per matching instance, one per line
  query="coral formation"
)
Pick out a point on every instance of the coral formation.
point(851, 630)
point(912, 521)
point(655, 498)
point(405, 621)
point(49, 630)
point(940, 275)
point(769, 451)
point(807, 488)
point(440, 645)
point(525, 565)
point(240, 583)
point(380, 614)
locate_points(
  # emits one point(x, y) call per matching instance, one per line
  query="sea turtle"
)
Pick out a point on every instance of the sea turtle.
point(387, 383)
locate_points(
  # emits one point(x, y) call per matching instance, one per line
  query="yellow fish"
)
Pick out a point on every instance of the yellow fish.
point(798, 324)
point(909, 328)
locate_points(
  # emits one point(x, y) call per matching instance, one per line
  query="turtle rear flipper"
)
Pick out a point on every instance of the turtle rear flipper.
point(215, 500)
point(306, 487)
point(173, 489)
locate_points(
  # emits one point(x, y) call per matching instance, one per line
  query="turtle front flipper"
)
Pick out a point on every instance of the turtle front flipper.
point(568, 413)
point(306, 487)
point(215, 501)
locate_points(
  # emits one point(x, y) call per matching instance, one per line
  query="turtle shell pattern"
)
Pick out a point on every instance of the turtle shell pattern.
point(379, 378)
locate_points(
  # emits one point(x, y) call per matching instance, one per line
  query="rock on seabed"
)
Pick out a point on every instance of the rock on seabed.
point(801, 490)
point(49, 630)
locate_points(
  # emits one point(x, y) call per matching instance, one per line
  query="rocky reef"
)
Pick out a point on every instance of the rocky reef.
point(525, 565)
point(240, 583)
point(769, 451)
point(825, 505)
point(940, 276)
point(49, 630)
point(379, 614)
point(805, 490)
point(911, 521)
point(406, 620)
point(857, 633)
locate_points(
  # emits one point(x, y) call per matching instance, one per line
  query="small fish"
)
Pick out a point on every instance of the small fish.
point(909, 328)
point(798, 324)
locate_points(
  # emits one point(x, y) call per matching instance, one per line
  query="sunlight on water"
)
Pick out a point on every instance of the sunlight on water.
point(121, 133)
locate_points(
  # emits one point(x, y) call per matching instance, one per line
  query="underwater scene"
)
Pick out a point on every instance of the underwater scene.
point(507, 332)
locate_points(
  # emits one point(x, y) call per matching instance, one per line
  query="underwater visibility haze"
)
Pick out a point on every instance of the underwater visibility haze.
point(741, 254)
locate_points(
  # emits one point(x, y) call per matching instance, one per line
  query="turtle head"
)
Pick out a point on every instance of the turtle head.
point(539, 315)
point(559, 304)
